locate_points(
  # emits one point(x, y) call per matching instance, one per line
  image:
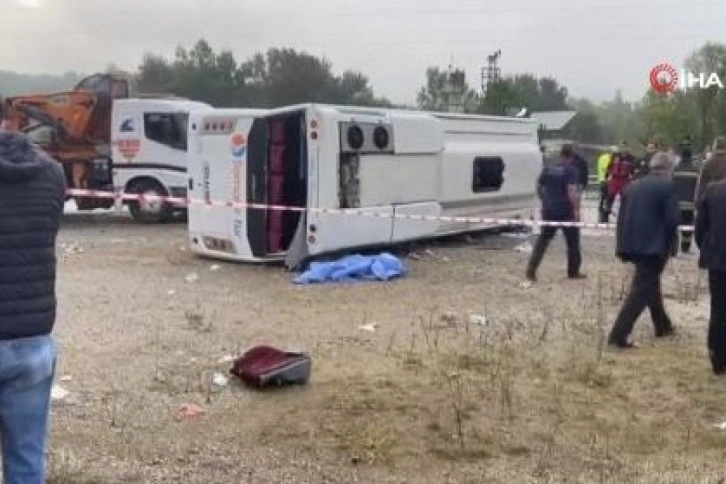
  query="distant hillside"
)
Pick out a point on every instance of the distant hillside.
point(12, 83)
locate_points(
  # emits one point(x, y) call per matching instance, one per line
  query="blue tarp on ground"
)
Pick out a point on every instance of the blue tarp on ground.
point(382, 267)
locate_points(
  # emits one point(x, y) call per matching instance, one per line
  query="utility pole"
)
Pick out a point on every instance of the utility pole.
point(491, 73)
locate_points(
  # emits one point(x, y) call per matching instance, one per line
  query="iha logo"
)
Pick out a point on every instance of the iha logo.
point(664, 79)
point(238, 143)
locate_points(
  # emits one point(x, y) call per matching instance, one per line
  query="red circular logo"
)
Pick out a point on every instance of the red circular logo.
point(664, 78)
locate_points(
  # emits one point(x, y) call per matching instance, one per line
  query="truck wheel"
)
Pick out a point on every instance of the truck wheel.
point(150, 211)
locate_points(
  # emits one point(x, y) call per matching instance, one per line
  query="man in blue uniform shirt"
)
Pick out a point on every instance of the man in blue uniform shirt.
point(558, 190)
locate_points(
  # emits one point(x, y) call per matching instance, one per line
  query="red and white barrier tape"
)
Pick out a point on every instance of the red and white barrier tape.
point(185, 202)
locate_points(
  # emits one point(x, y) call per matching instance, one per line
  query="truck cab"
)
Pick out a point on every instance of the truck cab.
point(149, 152)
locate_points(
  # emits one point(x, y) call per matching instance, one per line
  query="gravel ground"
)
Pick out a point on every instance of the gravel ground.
point(522, 393)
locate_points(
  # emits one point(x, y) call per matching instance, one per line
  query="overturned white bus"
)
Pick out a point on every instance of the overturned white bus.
point(382, 161)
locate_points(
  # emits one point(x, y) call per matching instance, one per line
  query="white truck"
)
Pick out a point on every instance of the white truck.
point(149, 152)
point(316, 158)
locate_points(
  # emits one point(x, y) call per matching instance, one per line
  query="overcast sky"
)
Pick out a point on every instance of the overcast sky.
point(592, 46)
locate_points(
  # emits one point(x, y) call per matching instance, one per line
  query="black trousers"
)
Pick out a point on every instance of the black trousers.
point(717, 324)
point(605, 206)
point(645, 291)
point(687, 218)
point(574, 256)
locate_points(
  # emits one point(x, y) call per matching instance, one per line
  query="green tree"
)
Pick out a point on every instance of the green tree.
point(446, 91)
point(585, 127)
point(710, 103)
point(523, 91)
point(279, 77)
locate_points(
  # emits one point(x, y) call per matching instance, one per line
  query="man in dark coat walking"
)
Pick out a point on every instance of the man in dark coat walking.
point(647, 232)
point(711, 240)
point(31, 205)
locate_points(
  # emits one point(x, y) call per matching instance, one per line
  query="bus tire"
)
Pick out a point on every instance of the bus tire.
point(150, 212)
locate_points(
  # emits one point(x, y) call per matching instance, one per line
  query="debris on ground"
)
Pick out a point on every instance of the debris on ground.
point(478, 320)
point(370, 328)
point(526, 284)
point(66, 378)
point(191, 278)
point(226, 359)
point(71, 249)
point(449, 317)
point(215, 267)
point(220, 380)
point(720, 426)
point(58, 393)
point(171, 292)
point(414, 256)
point(430, 252)
point(526, 248)
point(189, 411)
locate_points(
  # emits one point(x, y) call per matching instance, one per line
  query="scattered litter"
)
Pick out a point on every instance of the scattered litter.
point(226, 359)
point(382, 267)
point(220, 380)
point(415, 256)
point(478, 320)
point(171, 292)
point(191, 278)
point(66, 378)
point(429, 252)
point(215, 267)
point(371, 328)
point(72, 248)
point(59, 393)
point(182, 248)
point(526, 247)
point(445, 259)
point(720, 426)
point(192, 360)
point(189, 411)
point(526, 285)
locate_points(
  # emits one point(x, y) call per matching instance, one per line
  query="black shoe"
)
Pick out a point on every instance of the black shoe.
point(624, 345)
point(531, 278)
point(578, 276)
point(665, 333)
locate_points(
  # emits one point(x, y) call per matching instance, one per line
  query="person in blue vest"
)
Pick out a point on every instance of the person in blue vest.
point(558, 187)
point(31, 204)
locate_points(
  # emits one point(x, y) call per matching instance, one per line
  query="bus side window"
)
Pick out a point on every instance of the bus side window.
point(488, 174)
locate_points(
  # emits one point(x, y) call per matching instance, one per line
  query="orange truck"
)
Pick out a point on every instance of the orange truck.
point(74, 127)
point(108, 140)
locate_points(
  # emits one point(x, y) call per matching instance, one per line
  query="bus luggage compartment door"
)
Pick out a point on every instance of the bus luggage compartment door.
point(369, 226)
point(408, 223)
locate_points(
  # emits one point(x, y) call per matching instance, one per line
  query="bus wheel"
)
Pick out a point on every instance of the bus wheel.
point(150, 211)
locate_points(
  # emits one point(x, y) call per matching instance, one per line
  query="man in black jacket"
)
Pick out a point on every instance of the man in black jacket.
point(647, 231)
point(31, 205)
point(711, 240)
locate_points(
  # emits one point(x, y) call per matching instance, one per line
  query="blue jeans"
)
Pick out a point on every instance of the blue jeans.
point(27, 367)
